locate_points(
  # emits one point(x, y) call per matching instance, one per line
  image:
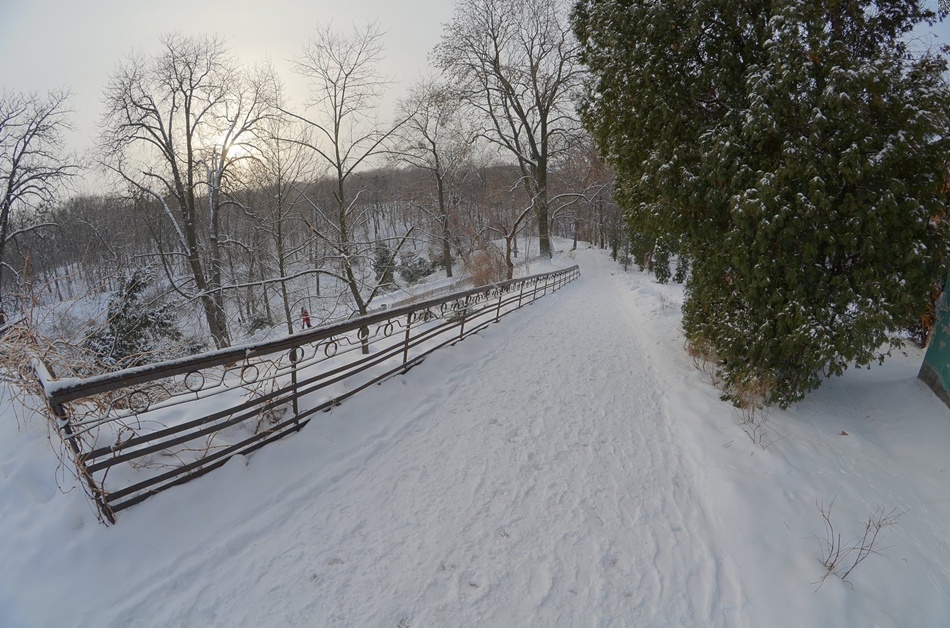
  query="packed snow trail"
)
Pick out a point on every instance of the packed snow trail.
point(567, 466)
point(528, 475)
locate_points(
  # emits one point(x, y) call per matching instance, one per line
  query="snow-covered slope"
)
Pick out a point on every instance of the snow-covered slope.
point(567, 466)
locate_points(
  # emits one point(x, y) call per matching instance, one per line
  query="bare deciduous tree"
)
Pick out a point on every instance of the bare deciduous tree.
point(516, 63)
point(32, 163)
point(345, 90)
point(438, 139)
point(584, 184)
point(171, 130)
point(276, 210)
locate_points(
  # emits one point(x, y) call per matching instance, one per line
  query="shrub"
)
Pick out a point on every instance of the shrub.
point(414, 268)
point(259, 322)
point(383, 265)
point(840, 556)
point(134, 328)
point(487, 266)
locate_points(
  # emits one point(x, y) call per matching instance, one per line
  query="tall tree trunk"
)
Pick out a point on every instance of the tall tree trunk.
point(215, 284)
point(541, 207)
point(444, 219)
point(282, 269)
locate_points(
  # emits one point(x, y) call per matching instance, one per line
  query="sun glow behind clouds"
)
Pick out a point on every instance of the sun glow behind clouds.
point(234, 149)
point(62, 43)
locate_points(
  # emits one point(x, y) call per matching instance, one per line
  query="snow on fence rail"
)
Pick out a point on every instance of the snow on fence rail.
point(137, 432)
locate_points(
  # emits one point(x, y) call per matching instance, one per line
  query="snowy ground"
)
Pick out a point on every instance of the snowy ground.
point(567, 466)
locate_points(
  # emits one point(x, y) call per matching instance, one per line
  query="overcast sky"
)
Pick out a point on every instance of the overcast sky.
point(77, 44)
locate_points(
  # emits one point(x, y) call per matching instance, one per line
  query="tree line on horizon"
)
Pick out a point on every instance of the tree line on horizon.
point(228, 192)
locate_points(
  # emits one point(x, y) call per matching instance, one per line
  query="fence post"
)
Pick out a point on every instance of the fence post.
point(464, 317)
point(498, 309)
point(295, 354)
point(98, 494)
point(405, 351)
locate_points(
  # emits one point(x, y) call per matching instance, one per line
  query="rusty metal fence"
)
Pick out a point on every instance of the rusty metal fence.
point(137, 432)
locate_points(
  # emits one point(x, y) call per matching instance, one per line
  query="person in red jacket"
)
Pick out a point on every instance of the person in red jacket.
point(304, 318)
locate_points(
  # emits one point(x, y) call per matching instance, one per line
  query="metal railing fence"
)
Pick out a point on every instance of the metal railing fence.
point(140, 431)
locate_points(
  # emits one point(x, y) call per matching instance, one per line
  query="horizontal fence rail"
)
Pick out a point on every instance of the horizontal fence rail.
point(137, 432)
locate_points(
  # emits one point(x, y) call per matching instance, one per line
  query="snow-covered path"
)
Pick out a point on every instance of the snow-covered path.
point(525, 486)
point(535, 478)
point(566, 466)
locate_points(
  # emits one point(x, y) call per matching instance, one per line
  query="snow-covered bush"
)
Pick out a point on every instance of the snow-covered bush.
point(414, 268)
point(259, 322)
point(383, 265)
point(135, 329)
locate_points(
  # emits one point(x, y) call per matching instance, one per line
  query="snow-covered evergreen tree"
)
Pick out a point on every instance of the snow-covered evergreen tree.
point(135, 328)
point(795, 149)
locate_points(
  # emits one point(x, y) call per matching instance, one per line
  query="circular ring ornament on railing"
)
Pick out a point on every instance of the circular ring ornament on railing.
point(139, 401)
point(330, 348)
point(194, 381)
point(388, 329)
point(362, 333)
point(295, 355)
point(249, 374)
